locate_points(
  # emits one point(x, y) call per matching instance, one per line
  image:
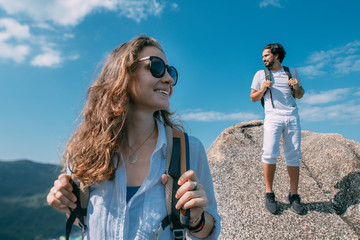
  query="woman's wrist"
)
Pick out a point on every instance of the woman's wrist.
point(207, 229)
point(195, 222)
point(195, 228)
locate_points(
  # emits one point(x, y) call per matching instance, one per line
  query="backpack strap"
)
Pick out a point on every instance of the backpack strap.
point(82, 194)
point(288, 73)
point(177, 162)
point(267, 74)
point(84, 201)
point(267, 78)
point(176, 169)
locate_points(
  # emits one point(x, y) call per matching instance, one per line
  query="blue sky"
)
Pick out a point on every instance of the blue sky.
point(50, 50)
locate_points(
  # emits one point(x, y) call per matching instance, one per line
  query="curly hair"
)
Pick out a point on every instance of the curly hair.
point(276, 48)
point(91, 149)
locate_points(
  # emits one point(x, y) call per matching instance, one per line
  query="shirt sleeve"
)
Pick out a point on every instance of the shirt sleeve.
point(199, 164)
point(257, 80)
point(295, 74)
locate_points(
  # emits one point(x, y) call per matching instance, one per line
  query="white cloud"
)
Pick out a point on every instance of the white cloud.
point(357, 92)
point(326, 96)
point(42, 25)
point(63, 12)
point(312, 71)
point(139, 10)
point(73, 57)
point(48, 58)
point(337, 105)
point(348, 64)
point(69, 35)
point(212, 116)
point(274, 3)
point(71, 12)
point(56, 16)
point(346, 113)
point(175, 7)
point(12, 37)
point(13, 29)
point(14, 52)
point(340, 60)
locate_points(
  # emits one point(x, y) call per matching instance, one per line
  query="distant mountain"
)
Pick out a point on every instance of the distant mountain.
point(24, 212)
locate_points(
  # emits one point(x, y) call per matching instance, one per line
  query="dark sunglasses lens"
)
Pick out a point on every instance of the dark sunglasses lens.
point(173, 73)
point(157, 67)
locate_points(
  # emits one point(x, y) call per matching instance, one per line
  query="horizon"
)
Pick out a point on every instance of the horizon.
point(50, 52)
point(59, 163)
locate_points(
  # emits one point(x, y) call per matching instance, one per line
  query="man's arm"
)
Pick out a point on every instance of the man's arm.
point(257, 95)
point(299, 91)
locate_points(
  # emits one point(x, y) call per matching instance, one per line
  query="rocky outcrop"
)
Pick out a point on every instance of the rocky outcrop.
point(329, 187)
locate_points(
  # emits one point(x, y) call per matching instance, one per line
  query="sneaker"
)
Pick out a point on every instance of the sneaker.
point(270, 203)
point(295, 203)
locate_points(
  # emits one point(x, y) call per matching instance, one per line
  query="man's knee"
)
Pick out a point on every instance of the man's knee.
point(269, 160)
point(293, 158)
point(293, 162)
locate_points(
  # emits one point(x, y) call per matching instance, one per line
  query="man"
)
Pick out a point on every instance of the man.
point(281, 118)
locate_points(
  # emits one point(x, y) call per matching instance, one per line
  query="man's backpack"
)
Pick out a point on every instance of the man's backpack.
point(177, 162)
point(268, 78)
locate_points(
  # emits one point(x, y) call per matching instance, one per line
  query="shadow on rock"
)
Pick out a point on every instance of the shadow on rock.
point(349, 193)
point(285, 206)
point(321, 207)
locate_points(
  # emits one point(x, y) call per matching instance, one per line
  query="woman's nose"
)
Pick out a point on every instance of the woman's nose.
point(167, 78)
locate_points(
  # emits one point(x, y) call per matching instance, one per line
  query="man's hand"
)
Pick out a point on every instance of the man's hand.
point(294, 83)
point(266, 85)
point(299, 91)
point(257, 95)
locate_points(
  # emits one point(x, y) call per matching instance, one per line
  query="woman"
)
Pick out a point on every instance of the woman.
point(119, 151)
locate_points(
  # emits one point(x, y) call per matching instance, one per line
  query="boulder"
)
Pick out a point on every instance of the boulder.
point(329, 186)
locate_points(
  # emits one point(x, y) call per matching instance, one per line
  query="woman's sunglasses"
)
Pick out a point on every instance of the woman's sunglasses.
point(158, 68)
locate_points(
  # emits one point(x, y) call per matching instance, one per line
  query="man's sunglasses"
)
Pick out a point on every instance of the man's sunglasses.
point(158, 68)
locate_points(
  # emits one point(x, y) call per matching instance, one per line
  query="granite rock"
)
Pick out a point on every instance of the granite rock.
point(329, 186)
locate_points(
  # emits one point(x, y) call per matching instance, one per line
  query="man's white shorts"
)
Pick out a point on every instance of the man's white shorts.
point(289, 126)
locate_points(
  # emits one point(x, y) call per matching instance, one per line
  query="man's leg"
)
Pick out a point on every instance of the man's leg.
point(269, 173)
point(273, 128)
point(270, 203)
point(292, 145)
point(294, 198)
point(292, 150)
point(272, 134)
point(293, 173)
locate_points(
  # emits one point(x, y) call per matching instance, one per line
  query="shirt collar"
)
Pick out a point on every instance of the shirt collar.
point(161, 142)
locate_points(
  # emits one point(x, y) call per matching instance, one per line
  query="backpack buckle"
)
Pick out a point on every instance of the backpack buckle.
point(157, 232)
point(179, 234)
point(82, 226)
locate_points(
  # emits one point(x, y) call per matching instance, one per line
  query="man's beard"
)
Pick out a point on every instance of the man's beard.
point(269, 64)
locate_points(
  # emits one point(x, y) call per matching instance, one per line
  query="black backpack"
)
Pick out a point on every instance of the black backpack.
point(177, 162)
point(268, 78)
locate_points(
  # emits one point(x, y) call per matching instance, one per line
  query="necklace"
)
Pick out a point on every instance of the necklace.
point(133, 157)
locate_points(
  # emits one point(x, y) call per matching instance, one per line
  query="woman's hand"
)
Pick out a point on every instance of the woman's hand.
point(61, 196)
point(191, 195)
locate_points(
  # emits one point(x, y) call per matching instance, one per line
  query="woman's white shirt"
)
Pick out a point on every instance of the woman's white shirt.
point(109, 216)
